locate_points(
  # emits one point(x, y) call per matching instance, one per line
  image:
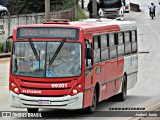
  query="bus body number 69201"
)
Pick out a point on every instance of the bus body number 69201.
point(59, 85)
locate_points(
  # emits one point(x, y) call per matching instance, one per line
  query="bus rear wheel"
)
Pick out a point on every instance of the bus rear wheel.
point(92, 108)
point(123, 94)
point(32, 110)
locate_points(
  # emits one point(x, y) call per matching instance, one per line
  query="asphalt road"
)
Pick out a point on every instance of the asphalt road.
point(146, 93)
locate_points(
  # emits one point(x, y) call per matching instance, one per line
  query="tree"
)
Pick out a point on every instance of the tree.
point(36, 6)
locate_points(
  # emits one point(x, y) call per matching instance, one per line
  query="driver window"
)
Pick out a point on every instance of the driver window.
point(88, 60)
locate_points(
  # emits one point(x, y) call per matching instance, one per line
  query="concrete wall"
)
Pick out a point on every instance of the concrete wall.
point(9, 23)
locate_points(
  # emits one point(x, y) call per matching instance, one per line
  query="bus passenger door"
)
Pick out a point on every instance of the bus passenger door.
point(88, 75)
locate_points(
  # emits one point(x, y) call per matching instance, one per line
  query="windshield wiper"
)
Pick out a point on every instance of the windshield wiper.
point(34, 50)
point(57, 51)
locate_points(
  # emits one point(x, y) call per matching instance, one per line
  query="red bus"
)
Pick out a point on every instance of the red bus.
point(72, 65)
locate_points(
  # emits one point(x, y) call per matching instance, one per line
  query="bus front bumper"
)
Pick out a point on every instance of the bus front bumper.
point(65, 102)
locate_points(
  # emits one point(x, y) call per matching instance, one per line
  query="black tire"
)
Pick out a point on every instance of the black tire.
point(92, 108)
point(123, 94)
point(32, 110)
point(152, 15)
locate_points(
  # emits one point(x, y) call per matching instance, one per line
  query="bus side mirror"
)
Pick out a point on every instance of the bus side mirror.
point(89, 53)
point(6, 45)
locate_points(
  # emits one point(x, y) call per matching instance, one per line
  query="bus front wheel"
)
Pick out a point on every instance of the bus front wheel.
point(32, 110)
point(92, 108)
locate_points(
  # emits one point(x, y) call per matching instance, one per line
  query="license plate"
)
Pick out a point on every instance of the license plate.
point(46, 102)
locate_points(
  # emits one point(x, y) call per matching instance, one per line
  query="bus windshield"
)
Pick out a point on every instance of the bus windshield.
point(67, 62)
point(110, 3)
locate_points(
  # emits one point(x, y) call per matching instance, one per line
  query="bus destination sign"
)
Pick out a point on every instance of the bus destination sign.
point(43, 32)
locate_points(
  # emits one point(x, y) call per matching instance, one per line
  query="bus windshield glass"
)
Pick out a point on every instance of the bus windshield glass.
point(67, 62)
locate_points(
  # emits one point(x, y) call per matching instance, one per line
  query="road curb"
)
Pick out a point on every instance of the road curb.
point(5, 55)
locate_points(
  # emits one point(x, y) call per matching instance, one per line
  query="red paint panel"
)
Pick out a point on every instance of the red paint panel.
point(110, 89)
point(100, 75)
point(88, 82)
point(43, 85)
point(111, 69)
point(111, 74)
point(120, 67)
point(87, 100)
point(120, 72)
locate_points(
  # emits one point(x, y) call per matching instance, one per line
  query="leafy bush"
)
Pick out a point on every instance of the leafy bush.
point(10, 45)
point(1, 47)
point(37, 6)
point(80, 14)
point(62, 5)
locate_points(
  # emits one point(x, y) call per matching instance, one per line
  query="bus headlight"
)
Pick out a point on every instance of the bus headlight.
point(76, 89)
point(14, 88)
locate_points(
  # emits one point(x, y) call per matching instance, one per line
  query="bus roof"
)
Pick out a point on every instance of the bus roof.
point(103, 22)
point(89, 25)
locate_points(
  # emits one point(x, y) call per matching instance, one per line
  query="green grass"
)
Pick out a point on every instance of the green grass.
point(1, 47)
point(80, 14)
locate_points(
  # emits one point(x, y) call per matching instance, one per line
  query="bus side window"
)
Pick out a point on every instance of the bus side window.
point(134, 41)
point(112, 45)
point(120, 44)
point(88, 57)
point(111, 39)
point(128, 44)
point(97, 46)
point(104, 47)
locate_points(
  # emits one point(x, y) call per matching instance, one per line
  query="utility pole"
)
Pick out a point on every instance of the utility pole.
point(82, 4)
point(94, 8)
point(47, 9)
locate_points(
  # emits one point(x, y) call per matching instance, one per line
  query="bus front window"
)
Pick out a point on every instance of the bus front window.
point(67, 63)
point(110, 3)
point(24, 61)
point(68, 60)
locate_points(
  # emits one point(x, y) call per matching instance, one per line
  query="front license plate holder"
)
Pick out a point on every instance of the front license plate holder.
point(44, 102)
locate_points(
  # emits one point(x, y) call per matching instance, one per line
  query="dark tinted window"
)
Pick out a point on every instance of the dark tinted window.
point(111, 39)
point(120, 38)
point(127, 36)
point(103, 40)
point(96, 40)
point(97, 45)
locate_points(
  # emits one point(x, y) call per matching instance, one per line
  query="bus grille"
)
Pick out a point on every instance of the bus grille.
point(45, 88)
